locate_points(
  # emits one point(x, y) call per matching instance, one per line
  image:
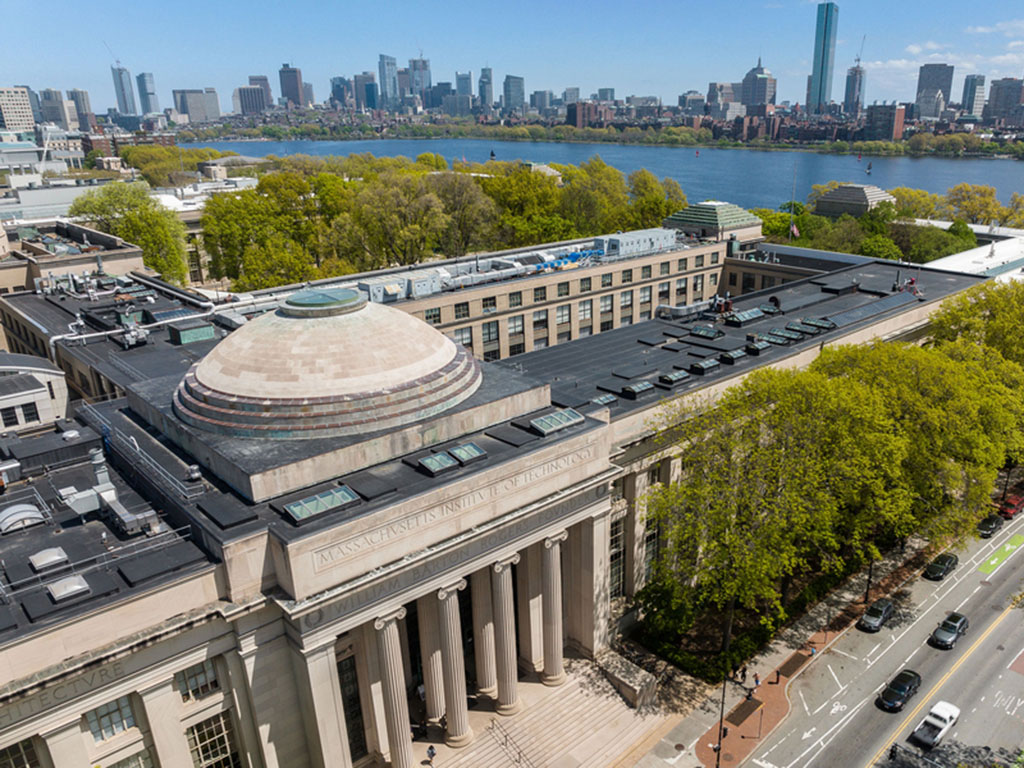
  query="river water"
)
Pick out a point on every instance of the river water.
point(749, 178)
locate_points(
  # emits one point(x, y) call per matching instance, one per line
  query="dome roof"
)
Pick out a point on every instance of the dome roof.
point(326, 363)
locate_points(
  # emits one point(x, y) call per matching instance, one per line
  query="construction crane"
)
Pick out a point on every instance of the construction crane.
point(856, 61)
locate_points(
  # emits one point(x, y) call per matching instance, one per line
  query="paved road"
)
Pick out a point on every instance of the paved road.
point(834, 719)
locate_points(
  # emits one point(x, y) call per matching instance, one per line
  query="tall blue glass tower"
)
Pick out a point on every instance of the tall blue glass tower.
point(819, 88)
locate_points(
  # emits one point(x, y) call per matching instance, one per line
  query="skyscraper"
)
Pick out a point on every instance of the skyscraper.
point(419, 72)
point(250, 99)
point(341, 90)
point(123, 90)
point(758, 86)
point(308, 98)
point(935, 77)
point(464, 84)
point(973, 100)
point(291, 84)
point(853, 100)
point(33, 100)
point(365, 86)
point(485, 88)
point(16, 109)
point(147, 93)
point(212, 103)
point(387, 68)
point(514, 93)
point(58, 110)
point(1005, 97)
point(263, 82)
point(820, 88)
point(571, 95)
point(606, 94)
point(83, 108)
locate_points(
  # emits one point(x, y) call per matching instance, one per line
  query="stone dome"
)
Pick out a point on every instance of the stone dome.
point(326, 363)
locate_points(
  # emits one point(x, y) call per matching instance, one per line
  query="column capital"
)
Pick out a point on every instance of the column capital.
point(445, 592)
point(555, 538)
point(505, 563)
point(382, 621)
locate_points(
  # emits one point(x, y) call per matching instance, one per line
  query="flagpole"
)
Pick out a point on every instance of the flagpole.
point(792, 202)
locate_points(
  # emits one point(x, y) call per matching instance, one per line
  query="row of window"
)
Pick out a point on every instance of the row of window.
point(29, 414)
point(540, 294)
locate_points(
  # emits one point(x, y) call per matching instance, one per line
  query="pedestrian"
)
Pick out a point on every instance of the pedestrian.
point(743, 674)
point(757, 680)
point(431, 754)
point(735, 669)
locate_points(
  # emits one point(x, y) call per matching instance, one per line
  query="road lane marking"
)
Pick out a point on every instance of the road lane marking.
point(844, 653)
point(942, 681)
point(804, 701)
point(834, 676)
point(991, 564)
point(823, 740)
point(907, 660)
point(879, 645)
point(967, 598)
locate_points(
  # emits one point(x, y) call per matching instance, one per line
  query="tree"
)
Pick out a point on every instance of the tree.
point(876, 221)
point(1013, 214)
point(278, 261)
point(880, 247)
point(974, 203)
point(471, 213)
point(90, 158)
point(820, 190)
point(652, 201)
point(232, 222)
point(918, 204)
point(127, 211)
point(528, 206)
point(594, 197)
point(962, 232)
point(988, 314)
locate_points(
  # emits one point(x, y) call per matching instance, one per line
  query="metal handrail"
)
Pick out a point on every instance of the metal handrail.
point(507, 743)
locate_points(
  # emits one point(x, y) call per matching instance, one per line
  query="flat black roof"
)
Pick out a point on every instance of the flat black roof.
point(640, 364)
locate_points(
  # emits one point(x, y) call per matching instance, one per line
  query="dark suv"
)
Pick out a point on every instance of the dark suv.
point(949, 631)
point(988, 527)
point(876, 615)
point(941, 567)
point(897, 693)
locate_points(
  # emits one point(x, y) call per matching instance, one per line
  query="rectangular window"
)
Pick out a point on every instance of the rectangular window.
point(664, 291)
point(462, 310)
point(490, 355)
point(586, 309)
point(540, 319)
point(110, 719)
point(652, 545)
point(516, 349)
point(564, 337)
point(540, 343)
point(10, 417)
point(584, 284)
point(698, 286)
point(626, 320)
point(490, 303)
point(645, 295)
point(665, 267)
point(563, 289)
point(20, 755)
point(617, 558)
point(606, 304)
point(607, 325)
point(681, 285)
point(645, 273)
point(698, 261)
point(732, 279)
point(515, 324)
point(681, 264)
point(212, 744)
point(713, 278)
point(540, 294)
point(627, 276)
point(463, 336)
point(197, 681)
point(645, 315)
point(433, 315)
point(585, 330)
point(138, 760)
point(563, 314)
point(489, 331)
point(606, 280)
point(515, 299)
point(749, 282)
point(626, 299)
point(714, 257)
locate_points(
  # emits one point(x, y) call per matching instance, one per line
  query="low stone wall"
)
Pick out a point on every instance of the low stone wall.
point(637, 686)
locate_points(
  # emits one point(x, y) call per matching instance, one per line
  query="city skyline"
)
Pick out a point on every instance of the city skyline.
point(986, 43)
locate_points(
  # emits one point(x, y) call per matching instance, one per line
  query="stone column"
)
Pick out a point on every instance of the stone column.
point(162, 705)
point(430, 652)
point(66, 745)
point(529, 619)
point(396, 707)
point(505, 636)
point(589, 609)
point(242, 697)
point(316, 672)
point(483, 633)
point(458, 733)
point(551, 578)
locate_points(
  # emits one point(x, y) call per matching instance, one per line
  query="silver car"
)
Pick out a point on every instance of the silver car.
point(876, 615)
point(949, 631)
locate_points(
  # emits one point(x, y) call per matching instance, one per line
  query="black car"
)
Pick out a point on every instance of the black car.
point(941, 567)
point(949, 631)
point(876, 615)
point(898, 692)
point(988, 526)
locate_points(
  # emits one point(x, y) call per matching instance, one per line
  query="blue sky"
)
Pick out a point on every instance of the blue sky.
point(643, 48)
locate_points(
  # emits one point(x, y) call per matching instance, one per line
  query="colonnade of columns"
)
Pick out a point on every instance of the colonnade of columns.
point(494, 633)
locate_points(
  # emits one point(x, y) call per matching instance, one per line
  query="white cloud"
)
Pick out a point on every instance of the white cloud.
point(1010, 28)
point(913, 49)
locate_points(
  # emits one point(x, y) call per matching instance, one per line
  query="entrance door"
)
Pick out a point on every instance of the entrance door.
point(352, 708)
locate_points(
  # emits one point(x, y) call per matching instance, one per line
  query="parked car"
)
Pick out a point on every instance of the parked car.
point(876, 615)
point(988, 527)
point(901, 690)
point(949, 630)
point(1011, 505)
point(936, 724)
point(941, 566)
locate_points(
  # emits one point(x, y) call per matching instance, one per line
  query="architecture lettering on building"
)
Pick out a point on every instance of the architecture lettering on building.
point(452, 559)
point(59, 693)
point(328, 557)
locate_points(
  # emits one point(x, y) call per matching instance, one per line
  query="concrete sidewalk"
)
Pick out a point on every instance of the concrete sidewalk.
point(752, 711)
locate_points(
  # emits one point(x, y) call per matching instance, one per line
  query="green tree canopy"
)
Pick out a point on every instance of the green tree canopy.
point(880, 247)
point(988, 314)
point(471, 213)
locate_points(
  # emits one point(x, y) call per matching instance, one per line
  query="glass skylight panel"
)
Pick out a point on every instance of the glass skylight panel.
point(769, 309)
point(758, 346)
point(556, 421)
point(791, 335)
point(824, 323)
point(638, 387)
point(65, 589)
point(810, 330)
point(733, 354)
point(48, 558)
point(781, 341)
point(746, 315)
point(674, 377)
point(436, 463)
point(328, 501)
point(706, 332)
point(704, 366)
point(467, 453)
point(604, 399)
